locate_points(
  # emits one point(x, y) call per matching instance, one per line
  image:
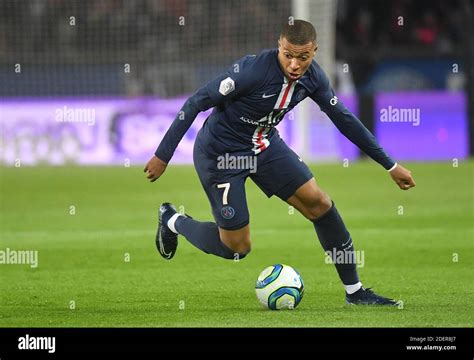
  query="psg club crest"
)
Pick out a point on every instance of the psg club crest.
point(300, 95)
point(227, 212)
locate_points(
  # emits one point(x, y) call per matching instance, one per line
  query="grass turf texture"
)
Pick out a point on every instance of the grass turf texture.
point(83, 257)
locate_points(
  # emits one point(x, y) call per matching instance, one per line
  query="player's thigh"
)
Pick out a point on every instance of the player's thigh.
point(280, 171)
point(225, 190)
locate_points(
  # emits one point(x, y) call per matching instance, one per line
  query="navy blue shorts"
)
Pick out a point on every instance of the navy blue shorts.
point(278, 170)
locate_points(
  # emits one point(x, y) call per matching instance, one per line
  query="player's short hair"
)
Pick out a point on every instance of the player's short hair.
point(298, 32)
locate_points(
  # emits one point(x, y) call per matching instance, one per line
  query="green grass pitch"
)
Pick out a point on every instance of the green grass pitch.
point(94, 232)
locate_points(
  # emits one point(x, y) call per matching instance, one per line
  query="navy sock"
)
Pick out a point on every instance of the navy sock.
point(337, 243)
point(205, 236)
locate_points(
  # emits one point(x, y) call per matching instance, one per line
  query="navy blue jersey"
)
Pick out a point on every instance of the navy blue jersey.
point(251, 98)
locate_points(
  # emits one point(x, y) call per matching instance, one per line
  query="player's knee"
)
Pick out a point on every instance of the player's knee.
point(240, 245)
point(317, 205)
point(243, 253)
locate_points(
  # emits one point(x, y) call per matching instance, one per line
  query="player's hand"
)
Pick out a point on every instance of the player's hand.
point(154, 168)
point(402, 177)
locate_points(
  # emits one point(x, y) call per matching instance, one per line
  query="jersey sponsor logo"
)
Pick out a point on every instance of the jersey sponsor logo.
point(249, 121)
point(260, 136)
point(333, 100)
point(269, 121)
point(227, 86)
point(280, 108)
point(273, 118)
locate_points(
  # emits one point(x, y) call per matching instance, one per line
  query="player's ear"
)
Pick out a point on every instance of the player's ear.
point(315, 49)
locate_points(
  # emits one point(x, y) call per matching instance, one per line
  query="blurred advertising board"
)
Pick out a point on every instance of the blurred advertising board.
point(422, 126)
point(117, 131)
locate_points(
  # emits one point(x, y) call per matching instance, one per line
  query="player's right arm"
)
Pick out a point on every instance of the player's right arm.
point(227, 86)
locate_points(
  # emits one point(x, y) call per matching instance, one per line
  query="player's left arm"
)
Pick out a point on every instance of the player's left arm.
point(352, 128)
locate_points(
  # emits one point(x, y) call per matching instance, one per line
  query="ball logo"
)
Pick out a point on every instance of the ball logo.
point(227, 212)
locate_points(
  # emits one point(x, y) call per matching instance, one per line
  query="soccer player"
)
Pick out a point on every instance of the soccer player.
point(249, 100)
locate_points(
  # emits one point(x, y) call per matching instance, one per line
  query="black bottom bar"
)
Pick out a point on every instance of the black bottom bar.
point(416, 342)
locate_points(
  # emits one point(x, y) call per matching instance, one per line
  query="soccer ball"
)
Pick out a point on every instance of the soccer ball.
point(279, 287)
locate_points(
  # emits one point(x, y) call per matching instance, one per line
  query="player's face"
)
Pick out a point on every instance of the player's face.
point(295, 59)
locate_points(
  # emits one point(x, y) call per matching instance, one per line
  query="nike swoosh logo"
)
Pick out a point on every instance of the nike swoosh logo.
point(347, 242)
point(162, 247)
point(267, 96)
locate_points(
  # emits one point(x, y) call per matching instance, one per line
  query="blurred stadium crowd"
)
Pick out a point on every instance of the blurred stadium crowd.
point(107, 25)
point(376, 24)
point(175, 45)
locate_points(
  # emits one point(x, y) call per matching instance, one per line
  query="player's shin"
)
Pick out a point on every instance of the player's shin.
point(205, 236)
point(337, 244)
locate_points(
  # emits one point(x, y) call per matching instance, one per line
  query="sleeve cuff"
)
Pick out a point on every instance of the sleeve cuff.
point(162, 156)
point(393, 167)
